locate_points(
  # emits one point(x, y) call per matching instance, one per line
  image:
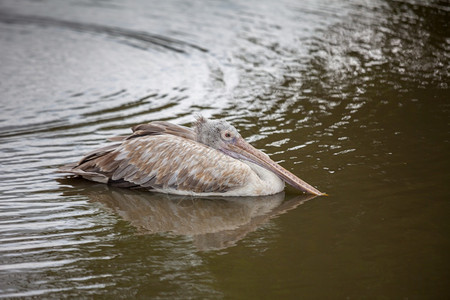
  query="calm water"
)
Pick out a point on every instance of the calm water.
point(352, 96)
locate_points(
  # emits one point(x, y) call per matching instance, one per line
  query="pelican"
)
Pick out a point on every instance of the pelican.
point(211, 159)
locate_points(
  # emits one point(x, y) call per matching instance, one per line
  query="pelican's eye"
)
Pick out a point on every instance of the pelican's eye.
point(226, 135)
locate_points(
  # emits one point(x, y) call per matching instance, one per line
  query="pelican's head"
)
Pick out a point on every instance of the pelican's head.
point(215, 133)
point(221, 135)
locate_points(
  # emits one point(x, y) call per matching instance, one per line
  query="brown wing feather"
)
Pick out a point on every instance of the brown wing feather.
point(162, 127)
point(164, 161)
point(156, 128)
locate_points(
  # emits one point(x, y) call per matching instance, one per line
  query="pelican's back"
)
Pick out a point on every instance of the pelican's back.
point(165, 157)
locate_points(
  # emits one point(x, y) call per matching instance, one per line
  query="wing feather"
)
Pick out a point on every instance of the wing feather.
point(157, 128)
point(164, 161)
point(162, 127)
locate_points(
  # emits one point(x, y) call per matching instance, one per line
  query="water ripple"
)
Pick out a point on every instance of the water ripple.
point(145, 37)
point(337, 91)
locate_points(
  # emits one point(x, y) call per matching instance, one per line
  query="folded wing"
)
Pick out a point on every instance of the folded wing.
point(158, 156)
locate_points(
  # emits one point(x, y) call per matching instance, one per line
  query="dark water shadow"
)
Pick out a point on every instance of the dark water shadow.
point(213, 222)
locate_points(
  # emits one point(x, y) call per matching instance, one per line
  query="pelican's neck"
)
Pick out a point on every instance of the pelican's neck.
point(270, 180)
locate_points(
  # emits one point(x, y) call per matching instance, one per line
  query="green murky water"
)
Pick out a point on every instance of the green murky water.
point(352, 96)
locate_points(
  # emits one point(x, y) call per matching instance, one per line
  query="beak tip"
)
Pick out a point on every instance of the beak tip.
point(317, 193)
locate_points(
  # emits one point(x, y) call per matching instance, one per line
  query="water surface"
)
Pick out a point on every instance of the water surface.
point(352, 96)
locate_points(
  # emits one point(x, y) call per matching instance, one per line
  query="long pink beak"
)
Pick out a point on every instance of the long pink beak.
point(246, 151)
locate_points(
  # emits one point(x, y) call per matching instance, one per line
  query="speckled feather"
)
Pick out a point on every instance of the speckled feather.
point(163, 156)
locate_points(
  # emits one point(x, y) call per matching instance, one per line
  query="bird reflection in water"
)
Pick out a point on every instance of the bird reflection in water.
point(213, 223)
